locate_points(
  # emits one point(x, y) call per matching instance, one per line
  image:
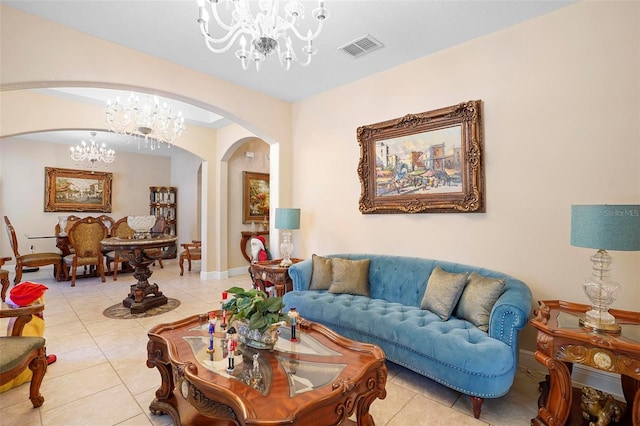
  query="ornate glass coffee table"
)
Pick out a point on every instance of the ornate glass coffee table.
point(323, 378)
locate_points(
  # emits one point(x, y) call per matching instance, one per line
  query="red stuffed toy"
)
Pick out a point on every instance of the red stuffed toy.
point(24, 294)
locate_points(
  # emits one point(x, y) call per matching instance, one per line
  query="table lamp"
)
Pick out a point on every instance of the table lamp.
point(287, 219)
point(604, 227)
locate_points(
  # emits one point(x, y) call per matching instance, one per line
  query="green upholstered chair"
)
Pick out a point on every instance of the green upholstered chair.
point(18, 352)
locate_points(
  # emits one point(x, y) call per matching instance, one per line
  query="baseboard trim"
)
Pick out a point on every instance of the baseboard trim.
point(213, 275)
point(221, 275)
point(581, 376)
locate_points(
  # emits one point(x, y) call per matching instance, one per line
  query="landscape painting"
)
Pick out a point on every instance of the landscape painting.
point(68, 190)
point(424, 163)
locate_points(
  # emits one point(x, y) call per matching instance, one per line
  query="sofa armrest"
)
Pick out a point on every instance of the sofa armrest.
point(511, 312)
point(300, 274)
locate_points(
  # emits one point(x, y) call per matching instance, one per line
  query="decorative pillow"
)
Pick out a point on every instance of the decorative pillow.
point(443, 291)
point(350, 276)
point(320, 273)
point(478, 298)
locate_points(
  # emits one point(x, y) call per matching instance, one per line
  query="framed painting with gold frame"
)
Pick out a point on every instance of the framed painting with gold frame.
point(68, 190)
point(424, 163)
point(255, 199)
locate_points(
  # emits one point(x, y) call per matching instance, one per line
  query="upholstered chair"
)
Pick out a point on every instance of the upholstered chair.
point(18, 352)
point(71, 220)
point(108, 222)
point(85, 237)
point(31, 260)
point(192, 251)
point(120, 229)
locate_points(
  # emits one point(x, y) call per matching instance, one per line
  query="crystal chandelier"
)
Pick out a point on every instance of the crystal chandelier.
point(267, 31)
point(92, 152)
point(145, 119)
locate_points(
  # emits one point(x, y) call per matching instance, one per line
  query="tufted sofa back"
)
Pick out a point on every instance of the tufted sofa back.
point(404, 279)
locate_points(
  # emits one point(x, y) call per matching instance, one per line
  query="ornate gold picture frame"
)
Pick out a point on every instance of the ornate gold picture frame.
point(424, 163)
point(68, 190)
point(255, 200)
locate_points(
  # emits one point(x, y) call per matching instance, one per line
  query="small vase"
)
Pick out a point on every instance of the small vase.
point(254, 339)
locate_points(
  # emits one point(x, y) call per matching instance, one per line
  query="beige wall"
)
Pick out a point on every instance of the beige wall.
point(561, 127)
point(239, 163)
point(22, 176)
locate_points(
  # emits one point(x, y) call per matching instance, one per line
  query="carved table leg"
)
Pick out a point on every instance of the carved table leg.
point(157, 357)
point(631, 387)
point(636, 409)
point(556, 408)
point(377, 389)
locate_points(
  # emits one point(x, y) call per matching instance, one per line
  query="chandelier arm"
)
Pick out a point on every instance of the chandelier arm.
point(294, 58)
point(216, 16)
point(234, 36)
point(311, 37)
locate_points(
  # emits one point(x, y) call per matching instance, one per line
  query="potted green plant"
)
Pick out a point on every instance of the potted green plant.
point(255, 316)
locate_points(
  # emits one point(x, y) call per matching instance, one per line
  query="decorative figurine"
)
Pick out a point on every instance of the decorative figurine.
point(259, 251)
point(601, 407)
point(232, 343)
point(212, 330)
point(223, 323)
point(293, 315)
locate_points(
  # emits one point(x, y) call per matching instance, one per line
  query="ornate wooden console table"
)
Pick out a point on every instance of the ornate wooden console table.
point(270, 271)
point(561, 342)
point(143, 296)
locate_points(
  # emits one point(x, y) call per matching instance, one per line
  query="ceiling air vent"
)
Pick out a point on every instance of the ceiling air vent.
point(360, 46)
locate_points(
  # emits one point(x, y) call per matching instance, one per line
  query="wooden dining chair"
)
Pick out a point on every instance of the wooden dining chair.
point(4, 278)
point(18, 352)
point(159, 228)
point(108, 222)
point(120, 229)
point(31, 260)
point(192, 251)
point(71, 220)
point(85, 237)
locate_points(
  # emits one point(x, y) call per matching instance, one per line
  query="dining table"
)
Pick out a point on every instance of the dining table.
point(142, 295)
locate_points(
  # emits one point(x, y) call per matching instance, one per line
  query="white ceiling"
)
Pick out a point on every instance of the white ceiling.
point(407, 29)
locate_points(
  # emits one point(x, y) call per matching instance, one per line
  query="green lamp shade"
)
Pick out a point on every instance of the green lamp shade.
point(287, 218)
point(608, 227)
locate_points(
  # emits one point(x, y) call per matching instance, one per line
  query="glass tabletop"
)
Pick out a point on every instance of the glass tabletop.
point(252, 368)
point(569, 320)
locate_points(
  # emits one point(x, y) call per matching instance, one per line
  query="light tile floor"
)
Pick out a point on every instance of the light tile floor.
point(101, 377)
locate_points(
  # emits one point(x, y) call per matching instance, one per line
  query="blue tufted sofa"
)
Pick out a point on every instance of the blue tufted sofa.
point(454, 353)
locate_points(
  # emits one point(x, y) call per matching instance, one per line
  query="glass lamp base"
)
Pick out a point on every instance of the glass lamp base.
point(599, 327)
point(286, 248)
point(602, 292)
point(285, 263)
